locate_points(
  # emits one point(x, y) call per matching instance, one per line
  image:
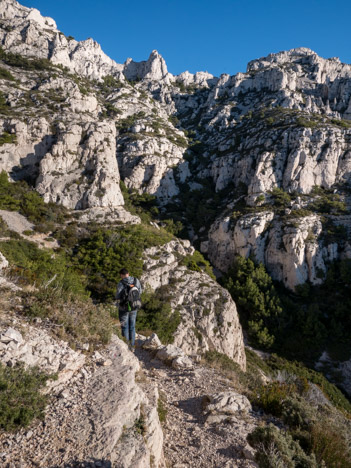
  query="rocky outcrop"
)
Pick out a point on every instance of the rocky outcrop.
point(86, 157)
point(226, 406)
point(36, 348)
point(209, 319)
point(102, 413)
point(293, 252)
point(229, 237)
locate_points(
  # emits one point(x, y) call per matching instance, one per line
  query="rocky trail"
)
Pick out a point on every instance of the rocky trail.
point(106, 416)
point(190, 441)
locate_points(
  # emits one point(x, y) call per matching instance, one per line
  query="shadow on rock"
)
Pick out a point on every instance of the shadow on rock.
point(92, 463)
point(194, 407)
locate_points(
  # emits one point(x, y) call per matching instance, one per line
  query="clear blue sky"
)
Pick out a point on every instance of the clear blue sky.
point(218, 36)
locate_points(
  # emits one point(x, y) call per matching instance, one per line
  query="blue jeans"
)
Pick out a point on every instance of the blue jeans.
point(128, 320)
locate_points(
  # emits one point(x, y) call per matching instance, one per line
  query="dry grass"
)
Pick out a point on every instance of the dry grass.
point(77, 321)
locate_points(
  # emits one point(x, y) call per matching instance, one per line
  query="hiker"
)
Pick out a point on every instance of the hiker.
point(128, 300)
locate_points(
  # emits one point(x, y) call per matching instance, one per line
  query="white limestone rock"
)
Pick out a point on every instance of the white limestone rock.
point(208, 313)
point(226, 406)
point(37, 348)
point(3, 262)
point(152, 342)
point(168, 353)
point(87, 158)
point(182, 362)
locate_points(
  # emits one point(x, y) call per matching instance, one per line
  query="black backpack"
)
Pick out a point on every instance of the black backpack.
point(130, 298)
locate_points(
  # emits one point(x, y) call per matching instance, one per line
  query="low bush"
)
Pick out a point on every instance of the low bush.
point(329, 446)
point(161, 408)
point(78, 320)
point(18, 196)
point(277, 449)
point(298, 369)
point(271, 397)
point(143, 205)
point(21, 399)
point(104, 252)
point(7, 138)
point(16, 60)
point(6, 75)
point(41, 267)
point(197, 262)
point(157, 315)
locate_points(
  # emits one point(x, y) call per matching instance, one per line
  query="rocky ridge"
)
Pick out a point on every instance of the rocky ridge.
point(209, 319)
point(83, 425)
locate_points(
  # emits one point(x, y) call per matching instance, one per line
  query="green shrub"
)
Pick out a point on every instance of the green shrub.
point(42, 267)
point(277, 449)
point(18, 196)
point(297, 413)
point(306, 122)
point(125, 124)
point(4, 107)
point(16, 60)
point(143, 205)
point(281, 199)
point(271, 397)
point(330, 447)
point(258, 303)
point(174, 227)
point(295, 368)
point(101, 255)
point(197, 262)
point(21, 399)
point(157, 315)
point(6, 75)
point(161, 408)
point(79, 320)
point(7, 138)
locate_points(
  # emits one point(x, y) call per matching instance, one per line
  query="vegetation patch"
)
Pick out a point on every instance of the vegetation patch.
point(8, 138)
point(21, 399)
point(31, 265)
point(6, 75)
point(157, 315)
point(19, 196)
point(197, 262)
point(101, 255)
point(258, 303)
point(78, 320)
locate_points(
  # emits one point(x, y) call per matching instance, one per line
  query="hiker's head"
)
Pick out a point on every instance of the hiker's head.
point(123, 273)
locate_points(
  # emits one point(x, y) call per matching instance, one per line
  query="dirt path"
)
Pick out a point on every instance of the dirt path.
point(189, 441)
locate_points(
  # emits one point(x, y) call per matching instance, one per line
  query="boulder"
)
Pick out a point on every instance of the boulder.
point(226, 406)
point(182, 362)
point(152, 342)
point(168, 353)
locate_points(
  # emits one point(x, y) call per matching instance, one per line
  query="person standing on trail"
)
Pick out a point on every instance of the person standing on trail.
point(128, 300)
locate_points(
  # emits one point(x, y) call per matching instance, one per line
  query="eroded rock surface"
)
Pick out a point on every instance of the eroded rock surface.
point(209, 319)
point(102, 416)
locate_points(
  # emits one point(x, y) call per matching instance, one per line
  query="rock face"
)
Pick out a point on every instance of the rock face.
point(293, 253)
point(87, 159)
point(209, 320)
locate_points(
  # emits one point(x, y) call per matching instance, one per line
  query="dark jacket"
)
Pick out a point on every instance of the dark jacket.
point(120, 288)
